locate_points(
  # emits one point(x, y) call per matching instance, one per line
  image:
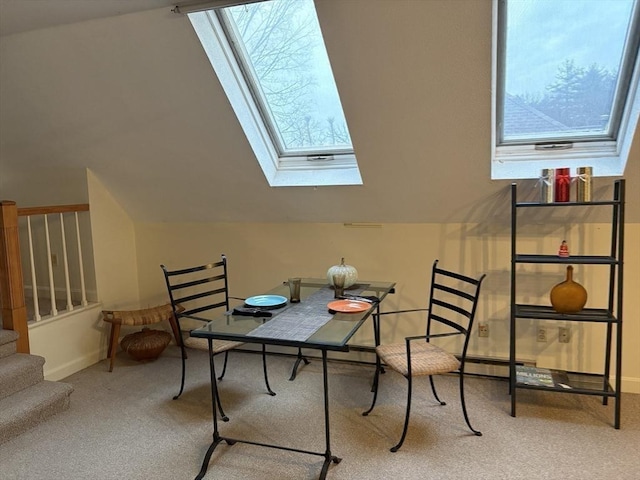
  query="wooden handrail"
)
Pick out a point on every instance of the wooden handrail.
point(26, 211)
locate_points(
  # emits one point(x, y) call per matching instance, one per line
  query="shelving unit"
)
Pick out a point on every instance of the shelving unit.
point(522, 377)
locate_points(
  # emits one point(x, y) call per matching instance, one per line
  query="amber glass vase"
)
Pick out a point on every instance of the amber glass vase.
point(568, 296)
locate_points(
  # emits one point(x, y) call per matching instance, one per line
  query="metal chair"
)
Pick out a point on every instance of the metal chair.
point(197, 294)
point(452, 308)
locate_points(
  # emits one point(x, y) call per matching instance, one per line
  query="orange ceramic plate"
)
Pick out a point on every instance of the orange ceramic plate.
point(348, 306)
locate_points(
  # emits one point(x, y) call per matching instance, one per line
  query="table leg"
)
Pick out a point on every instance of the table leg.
point(214, 411)
point(301, 358)
point(376, 336)
point(328, 458)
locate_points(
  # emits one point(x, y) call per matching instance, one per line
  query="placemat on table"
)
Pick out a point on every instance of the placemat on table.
point(299, 321)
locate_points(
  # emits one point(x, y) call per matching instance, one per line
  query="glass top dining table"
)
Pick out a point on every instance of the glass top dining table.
point(308, 324)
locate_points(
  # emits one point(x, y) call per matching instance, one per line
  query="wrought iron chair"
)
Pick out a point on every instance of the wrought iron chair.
point(197, 294)
point(452, 308)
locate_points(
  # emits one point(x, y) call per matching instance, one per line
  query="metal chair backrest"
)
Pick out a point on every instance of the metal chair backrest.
point(453, 301)
point(198, 289)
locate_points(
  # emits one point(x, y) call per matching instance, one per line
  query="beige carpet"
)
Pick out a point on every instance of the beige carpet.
point(124, 425)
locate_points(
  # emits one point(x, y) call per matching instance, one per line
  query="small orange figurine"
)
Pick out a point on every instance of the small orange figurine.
point(564, 249)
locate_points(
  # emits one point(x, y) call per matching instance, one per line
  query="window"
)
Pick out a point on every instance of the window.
point(272, 63)
point(565, 85)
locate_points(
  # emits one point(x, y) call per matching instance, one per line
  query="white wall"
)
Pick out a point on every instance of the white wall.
point(69, 342)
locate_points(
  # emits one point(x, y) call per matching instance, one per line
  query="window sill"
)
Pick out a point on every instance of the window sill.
point(516, 169)
point(315, 178)
point(608, 159)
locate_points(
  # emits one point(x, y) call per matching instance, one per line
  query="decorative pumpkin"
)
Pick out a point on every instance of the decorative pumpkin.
point(349, 272)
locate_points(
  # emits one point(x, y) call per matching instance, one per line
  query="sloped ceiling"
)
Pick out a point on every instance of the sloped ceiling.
point(17, 16)
point(126, 91)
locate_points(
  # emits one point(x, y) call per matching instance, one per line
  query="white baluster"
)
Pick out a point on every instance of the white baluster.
point(66, 264)
point(82, 287)
point(34, 286)
point(52, 290)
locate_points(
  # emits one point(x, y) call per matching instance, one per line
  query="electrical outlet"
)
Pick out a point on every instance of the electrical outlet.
point(564, 334)
point(542, 334)
point(483, 330)
point(54, 260)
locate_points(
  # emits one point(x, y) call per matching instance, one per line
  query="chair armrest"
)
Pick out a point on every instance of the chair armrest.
point(376, 320)
point(193, 318)
point(435, 335)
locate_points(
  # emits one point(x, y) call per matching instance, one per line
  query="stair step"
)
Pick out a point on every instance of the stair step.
point(19, 371)
point(31, 406)
point(7, 342)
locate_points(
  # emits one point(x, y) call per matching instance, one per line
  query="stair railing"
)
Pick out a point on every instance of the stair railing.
point(12, 287)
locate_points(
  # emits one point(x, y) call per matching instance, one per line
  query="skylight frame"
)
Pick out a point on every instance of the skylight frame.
point(250, 76)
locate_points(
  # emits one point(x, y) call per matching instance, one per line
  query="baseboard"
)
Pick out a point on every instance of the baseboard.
point(60, 372)
point(630, 385)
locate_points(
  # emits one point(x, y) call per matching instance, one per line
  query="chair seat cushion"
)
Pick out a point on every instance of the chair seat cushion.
point(426, 358)
point(218, 345)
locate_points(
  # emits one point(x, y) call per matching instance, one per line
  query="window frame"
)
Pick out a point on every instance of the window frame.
point(519, 160)
point(318, 168)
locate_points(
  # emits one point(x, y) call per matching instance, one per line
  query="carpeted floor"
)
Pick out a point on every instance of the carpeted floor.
point(124, 425)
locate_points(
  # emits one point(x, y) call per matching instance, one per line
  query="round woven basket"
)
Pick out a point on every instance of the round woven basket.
point(145, 345)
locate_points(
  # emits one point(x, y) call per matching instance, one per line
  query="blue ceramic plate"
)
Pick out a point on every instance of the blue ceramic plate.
point(266, 301)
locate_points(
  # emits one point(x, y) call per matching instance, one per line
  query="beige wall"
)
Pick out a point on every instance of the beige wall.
point(262, 255)
point(115, 248)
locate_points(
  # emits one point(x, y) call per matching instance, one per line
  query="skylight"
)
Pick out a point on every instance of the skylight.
point(272, 63)
point(566, 83)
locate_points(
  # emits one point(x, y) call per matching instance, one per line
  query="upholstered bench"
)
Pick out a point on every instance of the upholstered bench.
point(146, 316)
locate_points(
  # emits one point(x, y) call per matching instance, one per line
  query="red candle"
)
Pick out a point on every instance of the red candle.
point(563, 184)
